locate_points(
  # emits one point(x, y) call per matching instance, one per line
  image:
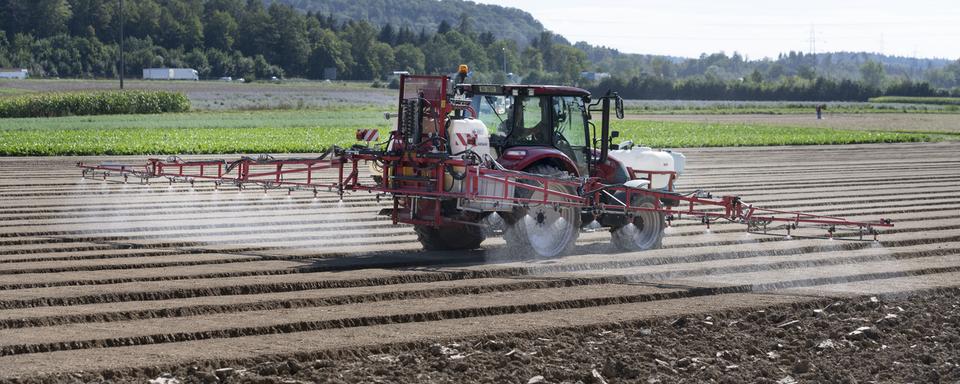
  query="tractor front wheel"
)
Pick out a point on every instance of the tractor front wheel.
point(546, 230)
point(644, 231)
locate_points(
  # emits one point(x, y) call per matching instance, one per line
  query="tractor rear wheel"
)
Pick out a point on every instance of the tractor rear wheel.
point(449, 237)
point(545, 230)
point(643, 232)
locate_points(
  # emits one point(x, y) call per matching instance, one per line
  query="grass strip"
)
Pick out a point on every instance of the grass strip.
point(732, 107)
point(11, 91)
point(919, 109)
point(916, 100)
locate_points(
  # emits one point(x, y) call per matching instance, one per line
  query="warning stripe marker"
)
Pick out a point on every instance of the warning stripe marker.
point(368, 135)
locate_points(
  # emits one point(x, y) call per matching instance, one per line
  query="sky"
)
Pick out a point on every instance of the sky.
point(757, 29)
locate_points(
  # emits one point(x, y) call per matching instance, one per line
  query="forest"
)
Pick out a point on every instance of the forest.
point(367, 40)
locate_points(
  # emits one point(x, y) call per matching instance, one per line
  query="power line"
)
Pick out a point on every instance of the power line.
point(813, 40)
point(122, 63)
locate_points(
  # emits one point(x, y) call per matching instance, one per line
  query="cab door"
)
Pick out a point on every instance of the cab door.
point(570, 130)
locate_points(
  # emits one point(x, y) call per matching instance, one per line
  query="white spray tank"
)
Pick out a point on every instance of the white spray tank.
point(471, 134)
point(463, 135)
point(679, 161)
point(641, 159)
point(468, 133)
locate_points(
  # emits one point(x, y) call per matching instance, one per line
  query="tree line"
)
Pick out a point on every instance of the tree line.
point(504, 23)
point(246, 38)
point(786, 89)
point(255, 40)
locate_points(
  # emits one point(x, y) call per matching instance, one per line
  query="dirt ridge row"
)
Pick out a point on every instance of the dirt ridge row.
point(141, 252)
point(530, 284)
point(306, 326)
point(104, 317)
point(499, 272)
point(420, 277)
point(438, 315)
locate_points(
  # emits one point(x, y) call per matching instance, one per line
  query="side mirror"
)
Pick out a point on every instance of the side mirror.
point(619, 107)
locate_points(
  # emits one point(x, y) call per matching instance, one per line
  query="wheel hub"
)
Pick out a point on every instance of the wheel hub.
point(638, 222)
point(543, 225)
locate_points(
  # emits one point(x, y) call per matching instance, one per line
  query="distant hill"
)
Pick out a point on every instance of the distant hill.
point(848, 63)
point(520, 26)
point(313, 39)
point(503, 22)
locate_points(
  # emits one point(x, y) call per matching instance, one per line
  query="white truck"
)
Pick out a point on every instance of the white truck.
point(170, 74)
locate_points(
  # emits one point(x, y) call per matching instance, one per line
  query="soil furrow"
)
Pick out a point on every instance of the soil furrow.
point(783, 250)
point(677, 273)
point(351, 322)
point(338, 343)
point(102, 317)
point(256, 289)
point(142, 265)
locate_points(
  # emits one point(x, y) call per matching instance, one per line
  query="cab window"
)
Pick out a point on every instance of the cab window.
point(570, 126)
point(493, 111)
point(534, 126)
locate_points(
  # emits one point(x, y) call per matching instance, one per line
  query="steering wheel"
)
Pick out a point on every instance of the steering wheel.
point(561, 116)
point(561, 140)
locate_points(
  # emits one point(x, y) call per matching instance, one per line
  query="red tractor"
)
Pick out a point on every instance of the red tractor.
point(464, 154)
point(546, 131)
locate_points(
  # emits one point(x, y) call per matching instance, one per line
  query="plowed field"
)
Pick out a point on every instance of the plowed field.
point(127, 282)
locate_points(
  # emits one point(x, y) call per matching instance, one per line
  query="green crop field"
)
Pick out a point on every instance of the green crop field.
point(297, 131)
point(312, 116)
point(199, 132)
point(348, 118)
point(689, 134)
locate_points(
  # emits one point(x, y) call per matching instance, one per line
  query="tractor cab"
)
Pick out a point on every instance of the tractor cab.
point(531, 124)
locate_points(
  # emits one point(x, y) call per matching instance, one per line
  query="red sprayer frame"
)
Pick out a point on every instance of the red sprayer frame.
point(306, 174)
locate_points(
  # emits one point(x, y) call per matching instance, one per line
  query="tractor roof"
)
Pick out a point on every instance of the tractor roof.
point(523, 89)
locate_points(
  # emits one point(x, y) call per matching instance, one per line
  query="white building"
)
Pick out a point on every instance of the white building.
point(594, 76)
point(170, 74)
point(13, 73)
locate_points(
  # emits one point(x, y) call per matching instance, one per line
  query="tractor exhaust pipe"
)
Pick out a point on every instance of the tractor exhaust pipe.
point(604, 128)
point(607, 136)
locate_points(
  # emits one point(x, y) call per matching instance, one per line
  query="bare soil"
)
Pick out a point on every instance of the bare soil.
point(859, 339)
point(127, 282)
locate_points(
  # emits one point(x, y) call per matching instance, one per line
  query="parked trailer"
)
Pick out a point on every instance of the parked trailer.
point(170, 74)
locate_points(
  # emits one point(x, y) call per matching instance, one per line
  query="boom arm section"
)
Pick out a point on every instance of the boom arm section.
point(338, 171)
point(707, 209)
